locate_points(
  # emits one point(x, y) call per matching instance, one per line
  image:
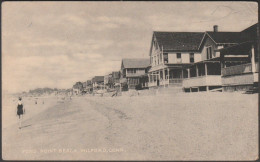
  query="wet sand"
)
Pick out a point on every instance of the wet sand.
point(182, 126)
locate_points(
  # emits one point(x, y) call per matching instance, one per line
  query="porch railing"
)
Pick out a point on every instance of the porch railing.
point(238, 69)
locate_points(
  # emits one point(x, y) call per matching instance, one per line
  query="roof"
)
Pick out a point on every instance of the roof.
point(135, 63)
point(250, 33)
point(98, 79)
point(225, 37)
point(179, 41)
point(238, 49)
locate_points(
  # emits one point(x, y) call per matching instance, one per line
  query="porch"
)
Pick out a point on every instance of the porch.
point(203, 76)
point(245, 75)
point(167, 77)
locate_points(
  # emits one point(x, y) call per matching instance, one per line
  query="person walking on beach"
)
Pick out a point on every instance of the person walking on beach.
point(20, 111)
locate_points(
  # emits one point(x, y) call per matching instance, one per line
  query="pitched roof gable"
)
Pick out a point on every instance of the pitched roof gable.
point(225, 37)
point(179, 41)
point(135, 63)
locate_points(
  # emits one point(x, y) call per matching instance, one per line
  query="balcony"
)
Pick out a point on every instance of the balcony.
point(209, 80)
point(238, 69)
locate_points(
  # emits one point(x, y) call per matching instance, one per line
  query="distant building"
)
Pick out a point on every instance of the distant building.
point(134, 72)
point(77, 88)
point(87, 86)
point(98, 82)
point(108, 81)
point(116, 77)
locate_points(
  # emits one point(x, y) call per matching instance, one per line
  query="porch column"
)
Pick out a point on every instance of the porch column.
point(253, 59)
point(149, 78)
point(206, 69)
point(197, 71)
point(164, 78)
point(188, 72)
point(168, 73)
point(182, 73)
point(162, 59)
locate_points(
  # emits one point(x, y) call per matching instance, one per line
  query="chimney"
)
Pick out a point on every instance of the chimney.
point(215, 27)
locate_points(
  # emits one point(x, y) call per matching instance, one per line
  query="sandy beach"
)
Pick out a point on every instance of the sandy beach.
point(180, 126)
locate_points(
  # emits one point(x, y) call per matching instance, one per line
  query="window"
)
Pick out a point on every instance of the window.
point(179, 58)
point(178, 55)
point(154, 60)
point(165, 57)
point(131, 71)
point(191, 57)
point(209, 52)
point(160, 57)
point(155, 44)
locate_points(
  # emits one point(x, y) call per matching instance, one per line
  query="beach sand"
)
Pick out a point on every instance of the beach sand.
point(180, 126)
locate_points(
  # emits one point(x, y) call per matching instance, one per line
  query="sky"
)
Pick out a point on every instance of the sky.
point(55, 44)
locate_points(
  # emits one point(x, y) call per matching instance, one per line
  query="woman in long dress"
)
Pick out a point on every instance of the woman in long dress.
point(20, 111)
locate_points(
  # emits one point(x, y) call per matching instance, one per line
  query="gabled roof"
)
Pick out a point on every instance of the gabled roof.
point(98, 79)
point(225, 37)
point(250, 33)
point(179, 41)
point(135, 63)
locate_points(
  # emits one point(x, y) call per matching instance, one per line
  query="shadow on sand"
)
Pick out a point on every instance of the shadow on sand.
point(26, 126)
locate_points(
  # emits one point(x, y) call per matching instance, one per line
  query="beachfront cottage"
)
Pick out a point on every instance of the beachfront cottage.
point(108, 81)
point(134, 72)
point(116, 77)
point(87, 86)
point(77, 88)
point(205, 75)
point(98, 82)
point(170, 53)
point(242, 75)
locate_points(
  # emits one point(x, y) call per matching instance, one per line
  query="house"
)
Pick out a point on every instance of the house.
point(77, 88)
point(207, 74)
point(87, 86)
point(98, 82)
point(170, 53)
point(108, 81)
point(242, 75)
point(116, 77)
point(134, 72)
